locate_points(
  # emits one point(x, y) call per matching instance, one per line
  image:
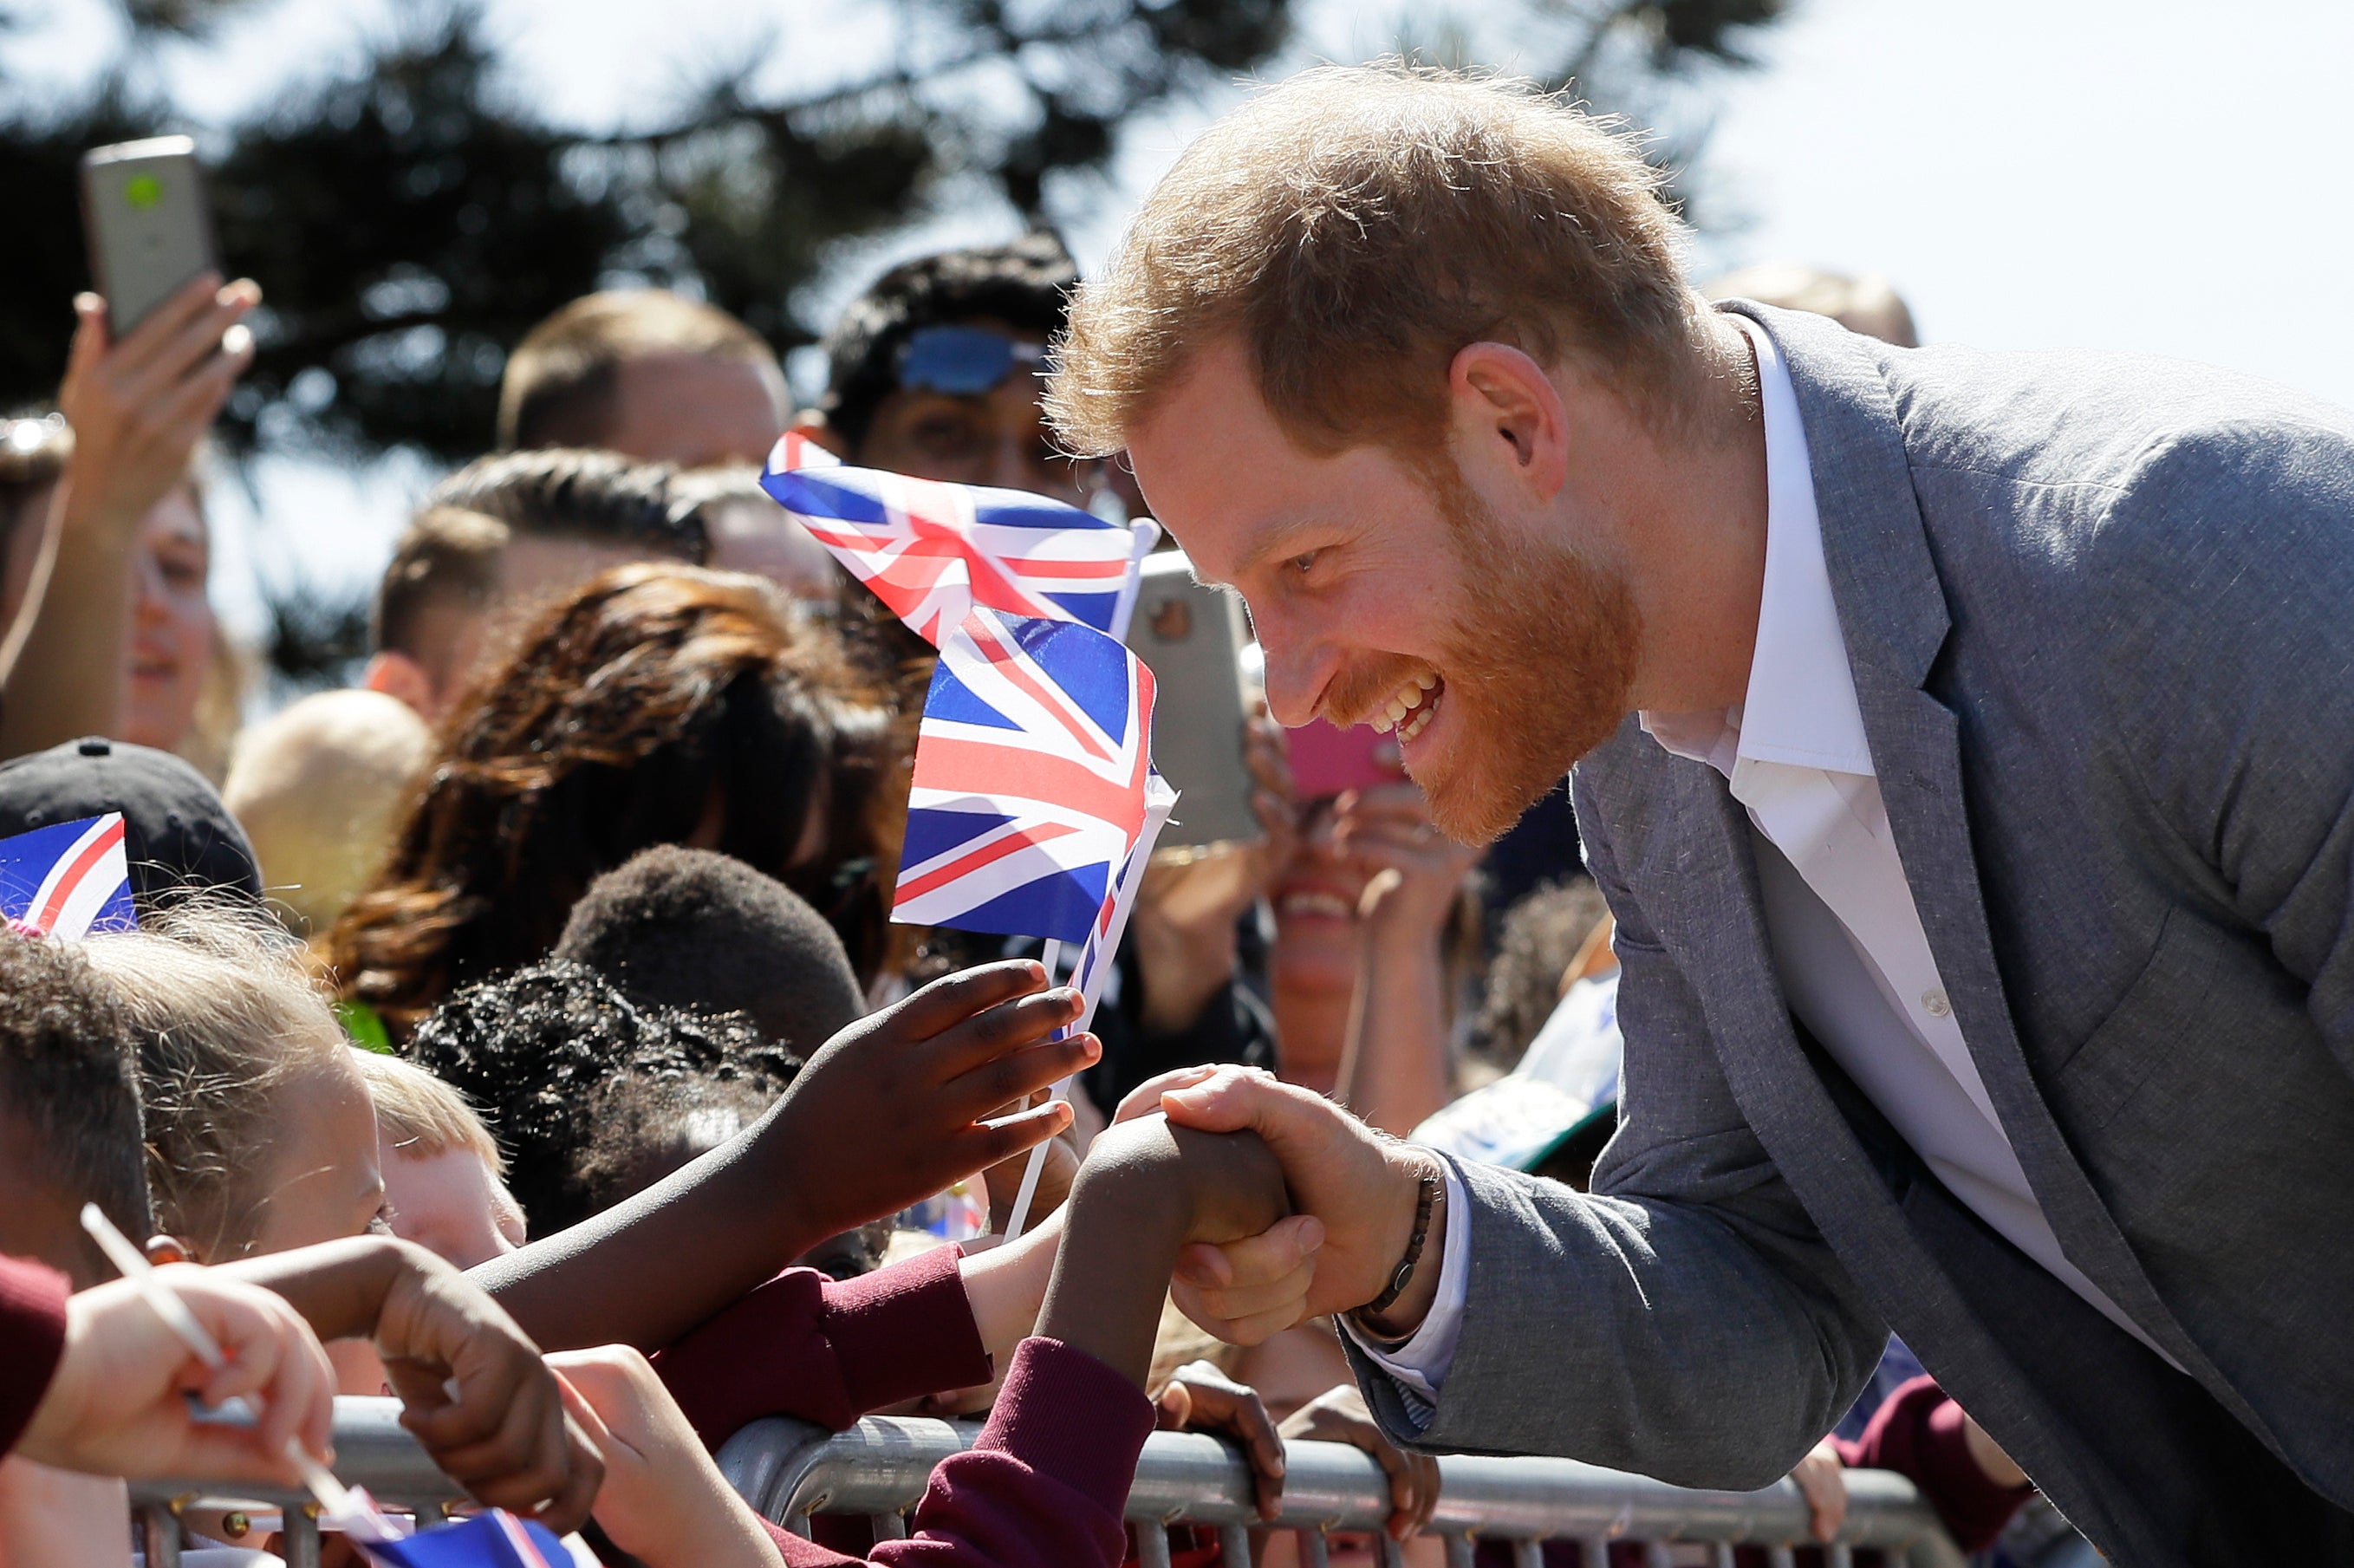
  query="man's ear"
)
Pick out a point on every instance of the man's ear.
point(810, 426)
point(1509, 418)
point(161, 1250)
point(398, 675)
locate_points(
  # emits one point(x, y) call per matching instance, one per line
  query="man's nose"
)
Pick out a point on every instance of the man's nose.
point(1298, 667)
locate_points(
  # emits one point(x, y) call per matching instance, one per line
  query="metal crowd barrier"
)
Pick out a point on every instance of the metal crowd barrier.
point(372, 1449)
point(792, 1470)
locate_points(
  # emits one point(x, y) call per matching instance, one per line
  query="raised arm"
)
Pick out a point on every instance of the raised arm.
point(885, 1114)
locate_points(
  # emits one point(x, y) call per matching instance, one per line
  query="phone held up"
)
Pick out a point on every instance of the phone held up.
point(149, 226)
point(1192, 638)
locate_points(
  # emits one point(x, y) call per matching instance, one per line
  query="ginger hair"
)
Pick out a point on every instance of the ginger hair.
point(1357, 227)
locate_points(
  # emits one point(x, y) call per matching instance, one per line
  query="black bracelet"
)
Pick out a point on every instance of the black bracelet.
point(1431, 1182)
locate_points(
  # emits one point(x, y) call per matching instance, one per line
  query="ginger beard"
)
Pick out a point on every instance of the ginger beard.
point(1537, 667)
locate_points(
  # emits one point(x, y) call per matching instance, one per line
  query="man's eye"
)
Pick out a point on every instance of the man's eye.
point(1303, 563)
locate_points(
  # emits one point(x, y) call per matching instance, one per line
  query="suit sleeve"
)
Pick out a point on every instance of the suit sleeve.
point(32, 1338)
point(802, 1345)
point(1685, 1320)
point(1045, 1483)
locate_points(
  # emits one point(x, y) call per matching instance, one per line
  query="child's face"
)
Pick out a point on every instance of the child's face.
point(451, 1204)
point(323, 1182)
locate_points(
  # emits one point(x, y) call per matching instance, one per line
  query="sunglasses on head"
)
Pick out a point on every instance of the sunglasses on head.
point(962, 361)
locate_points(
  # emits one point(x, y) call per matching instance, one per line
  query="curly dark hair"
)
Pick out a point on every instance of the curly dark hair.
point(658, 704)
point(1541, 935)
point(541, 1050)
point(69, 1085)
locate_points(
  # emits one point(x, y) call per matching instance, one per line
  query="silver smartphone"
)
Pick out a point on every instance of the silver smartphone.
point(1192, 638)
point(150, 227)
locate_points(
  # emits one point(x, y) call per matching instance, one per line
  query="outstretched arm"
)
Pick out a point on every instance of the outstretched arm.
point(1692, 1282)
point(886, 1114)
point(476, 1393)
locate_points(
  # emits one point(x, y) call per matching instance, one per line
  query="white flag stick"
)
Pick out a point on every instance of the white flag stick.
point(1095, 956)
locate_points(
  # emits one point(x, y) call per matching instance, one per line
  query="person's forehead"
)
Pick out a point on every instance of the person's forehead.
point(1221, 473)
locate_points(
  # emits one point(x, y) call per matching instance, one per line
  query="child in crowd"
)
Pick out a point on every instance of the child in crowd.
point(595, 1095)
point(688, 929)
point(1046, 1481)
point(261, 1133)
point(319, 787)
point(69, 1136)
point(444, 1184)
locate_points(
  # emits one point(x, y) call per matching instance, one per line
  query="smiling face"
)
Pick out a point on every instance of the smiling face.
point(1495, 651)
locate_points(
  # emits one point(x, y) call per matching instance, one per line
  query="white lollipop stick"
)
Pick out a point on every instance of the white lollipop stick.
point(333, 1494)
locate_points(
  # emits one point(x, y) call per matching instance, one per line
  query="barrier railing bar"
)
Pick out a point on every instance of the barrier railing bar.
point(789, 1469)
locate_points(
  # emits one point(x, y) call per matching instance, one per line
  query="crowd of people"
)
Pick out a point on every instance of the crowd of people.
point(524, 1025)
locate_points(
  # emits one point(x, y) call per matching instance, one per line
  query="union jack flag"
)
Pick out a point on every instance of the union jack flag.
point(67, 879)
point(493, 1540)
point(1032, 781)
point(932, 550)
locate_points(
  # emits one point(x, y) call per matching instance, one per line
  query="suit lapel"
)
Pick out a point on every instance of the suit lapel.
point(1695, 876)
point(1892, 613)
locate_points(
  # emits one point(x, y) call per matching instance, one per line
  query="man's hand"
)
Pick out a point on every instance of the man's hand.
point(1146, 1187)
point(116, 1405)
point(1356, 1192)
point(664, 1500)
point(139, 407)
point(502, 1434)
point(893, 1109)
point(1339, 1415)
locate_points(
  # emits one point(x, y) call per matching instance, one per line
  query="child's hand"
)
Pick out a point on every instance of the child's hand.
point(114, 1406)
point(1201, 1398)
point(1218, 1186)
point(1146, 1187)
point(1339, 1415)
point(663, 1501)
point(503, 1433)
point(891, 1110)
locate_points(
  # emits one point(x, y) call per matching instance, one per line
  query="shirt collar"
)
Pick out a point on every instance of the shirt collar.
point(1800, 708)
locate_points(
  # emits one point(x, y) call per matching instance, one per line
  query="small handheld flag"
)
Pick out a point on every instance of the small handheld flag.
point(1095, 961)
point(1031, 781)
point(67, 879)
point(932, 551)
point(493, 1540)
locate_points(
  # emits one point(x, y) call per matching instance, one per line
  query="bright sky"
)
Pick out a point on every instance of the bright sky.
point(2158, 175)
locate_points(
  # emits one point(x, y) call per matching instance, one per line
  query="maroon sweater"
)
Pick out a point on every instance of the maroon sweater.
point(32, 1338)
point(1047, 1481)
point(1918, 1434)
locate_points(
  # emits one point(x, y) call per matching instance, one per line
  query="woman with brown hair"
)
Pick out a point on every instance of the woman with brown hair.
point(659, 703)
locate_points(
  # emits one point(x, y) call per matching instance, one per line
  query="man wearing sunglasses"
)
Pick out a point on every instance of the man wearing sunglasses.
point(935, 371)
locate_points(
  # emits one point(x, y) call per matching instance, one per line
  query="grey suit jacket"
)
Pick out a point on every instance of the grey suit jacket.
point(2101, 615)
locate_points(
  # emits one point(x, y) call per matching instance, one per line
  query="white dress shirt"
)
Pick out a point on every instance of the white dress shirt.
point(1847, 938)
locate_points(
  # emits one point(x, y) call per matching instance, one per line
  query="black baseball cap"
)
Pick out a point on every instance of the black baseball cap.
point(177, 832)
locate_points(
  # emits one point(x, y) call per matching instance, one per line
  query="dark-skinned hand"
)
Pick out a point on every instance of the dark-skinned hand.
point(474, 1391)
point(900, 1106)
point(1201, 1398)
